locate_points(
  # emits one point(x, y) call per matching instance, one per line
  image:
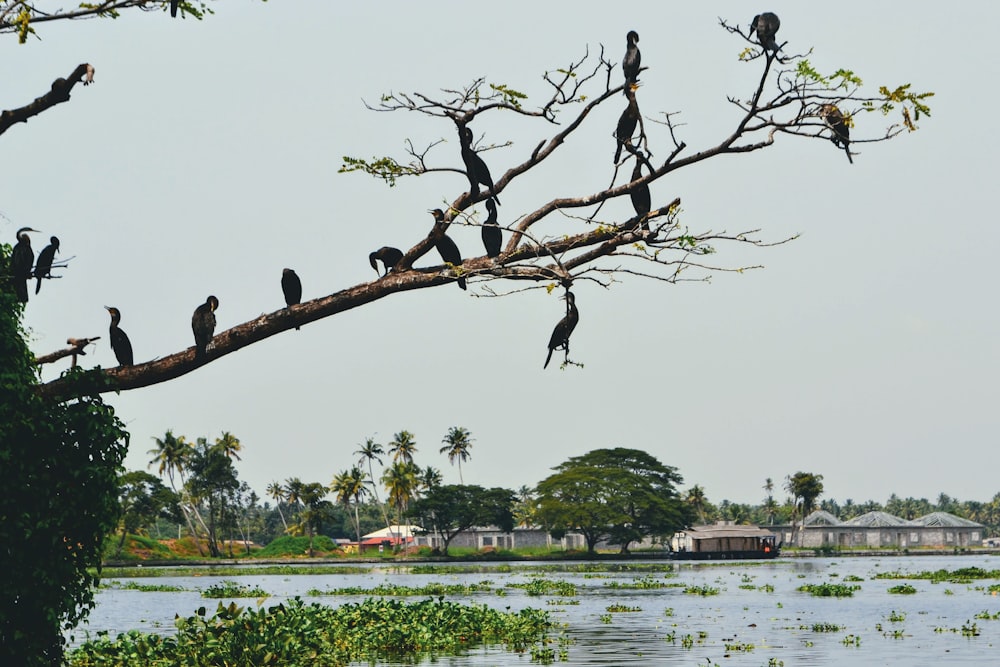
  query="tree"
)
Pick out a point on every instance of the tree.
point(316, 510)
point(172, 455)
point(697, 501)
point(213, 480)
point(349, 487)
point(770, 507)
point(401, 481)
point(805, 488)
point(619, 494)
point(373, 451)
point(143, 499)
point(430, 478)
point(277, 492)
point(449, 509)
point(457, 444)
point(403, 447)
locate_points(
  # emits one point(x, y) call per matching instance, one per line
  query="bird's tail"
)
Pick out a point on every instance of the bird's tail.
point(548, 358)
point(38, 287)
point(21, 289)
point(461, 282)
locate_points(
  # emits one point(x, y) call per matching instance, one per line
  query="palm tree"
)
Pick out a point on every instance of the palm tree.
point(403, 446)
point(173, 455)
point(348, 486)
point(401, 482)
point(524, 508)
point(430, 477)
point(805, 488)
point(229, 444)
point(276, 491)
point(315, 508)
point(457, 444)
point(696, 499)
point(293, 493)
point(770, 506)
point(373, 451)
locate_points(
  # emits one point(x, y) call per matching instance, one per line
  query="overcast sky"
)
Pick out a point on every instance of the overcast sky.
point(205, 157)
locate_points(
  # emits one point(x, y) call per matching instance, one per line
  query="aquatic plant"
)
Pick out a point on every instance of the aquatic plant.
point(233, 589)
point(829, 590)
point(703, 591)
point(902, 589)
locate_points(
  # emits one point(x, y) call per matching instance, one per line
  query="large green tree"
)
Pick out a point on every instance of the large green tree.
point(619, 495)
point(805, 488)
point(449, 509)
point(144, 499)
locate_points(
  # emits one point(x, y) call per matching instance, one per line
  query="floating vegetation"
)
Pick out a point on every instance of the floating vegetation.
point(647, 582)
point(294, 633)
point(962, 575)
point(383, 590)
point(606, 619)
point(145, 588)
point(853, 577)
point(896, 617)
point(766, 588)
point(739, 647)
point(547, 587)
point(233, 589)
point(621, 608)
point(851, 640)
point(228, 571)
point(668, 612)
point(902, 589)
point(829, 590)
point(826, 627)
point(562, 603)
point(703, 591)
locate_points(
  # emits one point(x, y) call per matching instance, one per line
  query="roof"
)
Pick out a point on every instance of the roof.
point(876, 520)
point(711, 532)
point(822, 518)
point(945, 519)
point(392, 531)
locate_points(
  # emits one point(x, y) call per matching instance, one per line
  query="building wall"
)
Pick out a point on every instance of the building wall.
point(902, 537)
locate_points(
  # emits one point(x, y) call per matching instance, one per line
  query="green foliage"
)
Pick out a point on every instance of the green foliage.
point(375, 630)
point(385, 168)
point(703, 591)
point(233, 589)
point(962, 575)
point(433, 589)
point(296, 546)
point(59, 466)
point(509, 95)
point(829, 590)
point(452, 508)
point(537, 587)
point(903, 589)
point(826, 627)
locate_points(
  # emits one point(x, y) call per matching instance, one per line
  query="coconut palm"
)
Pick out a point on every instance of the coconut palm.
point(229, 444)
point(276, 491)
point(173, 456)
point(401, 482)
point(430, 477)
point(403, 446)
point(315, 510)
point(456, 446)
point(293, 494)
point(373, 451)
point(697, 501)
point(349, 486)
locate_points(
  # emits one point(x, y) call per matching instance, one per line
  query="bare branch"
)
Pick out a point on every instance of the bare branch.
point(58, 93)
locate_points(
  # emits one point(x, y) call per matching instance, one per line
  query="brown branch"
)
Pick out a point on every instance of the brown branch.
point(76, 347)
point(58, 93)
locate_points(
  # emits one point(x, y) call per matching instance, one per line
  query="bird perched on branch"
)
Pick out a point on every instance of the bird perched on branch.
point(173, 8)
point(43, 268)
point(632, 59)
point(120, 343)
point(641, 199)
point(447, 248)
point(476, 169)
point(561, 334)
point(203, 325)
point(627, 121)
point(292, 288)
point(766, 26)
point(22, 259)
point(835, 120)
point(492, 236)
point(389, 257)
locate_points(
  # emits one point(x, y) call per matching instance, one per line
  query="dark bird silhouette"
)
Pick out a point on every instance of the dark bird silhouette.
point(766, 26)
point(476, 169)
point(630, 63)
point(43, 268)
point(627, 121)
point(389, 257)
point(173, 8)
point(119, 341)
point(835, 120)
point(22, 259)
point(203, 325)
point(641, 200)
point(292, 287)
point(492, 236)
point(561, 334)
point(447, 248)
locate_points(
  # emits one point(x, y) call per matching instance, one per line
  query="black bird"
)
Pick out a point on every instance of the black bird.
point(292, 287)
point(203, 325)
point(43, 268)
point(560, 335)
point(388, 255)
point(447, 248)
point(630, 63)
point(22, 259)
point(173, 8)
point(119, 341)
point(627, 121)
point(835, 120)
point(766, 25)
point(492, 236)
point(476, 169)
point(641, 200)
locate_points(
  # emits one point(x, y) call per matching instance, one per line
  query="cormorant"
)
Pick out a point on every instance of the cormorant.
point(476, 169)
point(766, 25)
point(630, 63)
point(22, 259)
point(447, 248)
point(173, 8)
point(627, 121)
point(203, 325)
point(641, 200)
point(119, 341)
point(388, 255)
point(43, 268)
point(492, 236)
point(841, 130)
point(560, 335)
point(292, 287)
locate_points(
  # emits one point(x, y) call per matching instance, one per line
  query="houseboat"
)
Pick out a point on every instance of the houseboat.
point(724, 542)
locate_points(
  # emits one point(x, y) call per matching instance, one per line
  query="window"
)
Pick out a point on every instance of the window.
point(914, 538)
point(487, 541)
point(949, 537)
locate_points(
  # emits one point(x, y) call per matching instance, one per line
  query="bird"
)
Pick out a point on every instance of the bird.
point(766, 25)
point(835, 120)
point(476, 169)
point(641, 200)
point(173, 8)
point(492, 236)
point(630, 63)
point(119, 341)
point(560, 335)
point(22, 259)
point(447, 248)
point(292, 287)
point(627, 121)
point(389, 257)
point(43, 268)
point(203, 325)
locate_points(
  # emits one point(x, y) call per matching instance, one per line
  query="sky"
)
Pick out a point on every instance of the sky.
point(205, 159)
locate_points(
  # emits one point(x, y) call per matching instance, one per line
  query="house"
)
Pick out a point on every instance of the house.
point(879, 530)
point(725, 540)
point(491, 537)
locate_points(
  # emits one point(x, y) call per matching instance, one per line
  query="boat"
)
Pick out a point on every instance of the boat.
point(724, 541)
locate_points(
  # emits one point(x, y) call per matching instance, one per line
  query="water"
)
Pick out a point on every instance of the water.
point(738, 626)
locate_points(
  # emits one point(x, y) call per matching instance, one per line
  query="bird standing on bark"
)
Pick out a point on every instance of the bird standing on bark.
point(476, 169)
point(22, 259)
point(492, 236)
point(203, 325)
point(632, 59)
point(43, 268)
point(389, 257)
point(766, 26)
point(120, 343)
point(292, 288)
point(835, 120)
point(641, 199)
point(561, 334)
point(627, 121)
point(447, 248)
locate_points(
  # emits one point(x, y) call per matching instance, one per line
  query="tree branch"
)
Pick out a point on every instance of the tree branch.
point(58, 93)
